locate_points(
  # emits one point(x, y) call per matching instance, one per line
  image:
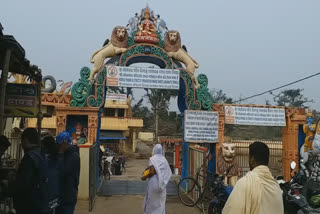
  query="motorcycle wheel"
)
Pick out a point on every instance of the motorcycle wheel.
point(213, 210)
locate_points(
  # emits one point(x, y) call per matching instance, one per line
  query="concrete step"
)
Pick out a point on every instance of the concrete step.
point(123, 187)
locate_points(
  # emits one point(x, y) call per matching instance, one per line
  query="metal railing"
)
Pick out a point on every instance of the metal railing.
point(10, 160)
point(197, 159)
point(275, 156)
point(15, 152)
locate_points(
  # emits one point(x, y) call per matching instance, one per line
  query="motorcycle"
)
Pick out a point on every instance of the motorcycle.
point(117, 165)
point(221, 191)
point(296, 193)
point(106, 168)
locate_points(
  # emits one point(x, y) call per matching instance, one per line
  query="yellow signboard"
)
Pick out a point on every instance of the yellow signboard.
point(21, 100)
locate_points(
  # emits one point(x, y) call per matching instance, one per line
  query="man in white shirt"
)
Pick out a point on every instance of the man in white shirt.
point(257, 192)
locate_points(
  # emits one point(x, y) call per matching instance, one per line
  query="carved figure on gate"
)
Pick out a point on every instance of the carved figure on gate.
point(146, 28)
point(63, 88)
point(18, 78)
point(78, 137)
point(117, 45)
point(49, 84)
point(161, 26)
point(309, 129)
point(132, 25)
point(226, 159)
point(172, 45)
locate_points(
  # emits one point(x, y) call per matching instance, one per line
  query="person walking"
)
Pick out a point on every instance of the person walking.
point(69, 159)
point(158, 177)
point(28, 190)
point(257, 192)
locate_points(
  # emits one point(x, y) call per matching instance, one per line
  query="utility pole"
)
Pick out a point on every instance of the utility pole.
point(3, 86)
point(157, 121)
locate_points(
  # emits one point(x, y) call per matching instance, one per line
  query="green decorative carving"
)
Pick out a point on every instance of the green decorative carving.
point(81, 89)
point(140, 49)
point(161, 42)
point(97, 100)
point(131, 41)
point(192, 103)
point(203, 95)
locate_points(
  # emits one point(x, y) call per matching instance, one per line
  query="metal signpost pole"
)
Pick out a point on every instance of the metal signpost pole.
point(185, 151)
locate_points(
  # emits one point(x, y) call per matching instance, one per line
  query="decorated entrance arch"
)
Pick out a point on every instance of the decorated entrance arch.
point(147, 39)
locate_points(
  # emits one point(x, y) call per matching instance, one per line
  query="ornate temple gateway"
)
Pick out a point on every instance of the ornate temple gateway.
point(147, 39)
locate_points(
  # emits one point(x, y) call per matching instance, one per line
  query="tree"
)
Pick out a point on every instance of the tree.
point(121, 90)
point(220, 97)
point(138, 110)
point(292, 98)
point(159, 100)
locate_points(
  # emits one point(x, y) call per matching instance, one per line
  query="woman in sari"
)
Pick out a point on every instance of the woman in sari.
point(158, 178)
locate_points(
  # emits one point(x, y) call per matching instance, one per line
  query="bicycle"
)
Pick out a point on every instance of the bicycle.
point(191, 193)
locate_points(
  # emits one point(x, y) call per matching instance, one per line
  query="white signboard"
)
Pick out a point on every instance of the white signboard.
point(117, 97)
point(201, 126)
point(142, 77)
point(259, 116)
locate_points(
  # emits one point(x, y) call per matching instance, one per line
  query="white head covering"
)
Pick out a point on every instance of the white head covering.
point(161, 166)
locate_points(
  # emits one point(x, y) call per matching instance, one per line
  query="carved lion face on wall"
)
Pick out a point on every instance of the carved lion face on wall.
point(172, 41)
point(121, 33)
point(228, 152)
point(119, 37)
point(173, 37)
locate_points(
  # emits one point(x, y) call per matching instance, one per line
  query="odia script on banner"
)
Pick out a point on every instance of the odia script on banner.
point(135, 77)
point(201, 126)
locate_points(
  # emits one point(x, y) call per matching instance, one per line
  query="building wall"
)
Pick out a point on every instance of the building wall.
point(146, 136)
point(83, 190)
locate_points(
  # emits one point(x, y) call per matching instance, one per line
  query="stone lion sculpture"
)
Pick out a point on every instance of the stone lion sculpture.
point(117, 45)
point(226, 159)
point(172, 45)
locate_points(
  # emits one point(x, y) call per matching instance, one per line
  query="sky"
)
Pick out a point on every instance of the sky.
point(243, 46)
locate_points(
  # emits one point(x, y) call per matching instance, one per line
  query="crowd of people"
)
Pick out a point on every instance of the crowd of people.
point(47, 178)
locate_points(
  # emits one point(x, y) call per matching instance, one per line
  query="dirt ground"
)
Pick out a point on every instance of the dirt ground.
point(131, 203)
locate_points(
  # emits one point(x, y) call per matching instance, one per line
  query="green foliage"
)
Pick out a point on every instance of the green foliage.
point(138, 110)
point(220, 97)
point(292, 98)
point(160, 99)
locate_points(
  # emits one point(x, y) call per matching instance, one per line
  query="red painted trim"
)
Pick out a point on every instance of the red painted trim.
point(177, 156)
point(85, 146)
point(202, 149)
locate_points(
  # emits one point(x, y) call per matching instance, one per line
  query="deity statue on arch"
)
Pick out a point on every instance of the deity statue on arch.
point(146, 28)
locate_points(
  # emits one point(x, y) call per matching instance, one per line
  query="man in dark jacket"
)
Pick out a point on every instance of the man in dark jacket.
point(70, 162)
point(26, 194)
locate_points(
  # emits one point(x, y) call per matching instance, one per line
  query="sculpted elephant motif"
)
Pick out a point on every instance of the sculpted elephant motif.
point(118, 45)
